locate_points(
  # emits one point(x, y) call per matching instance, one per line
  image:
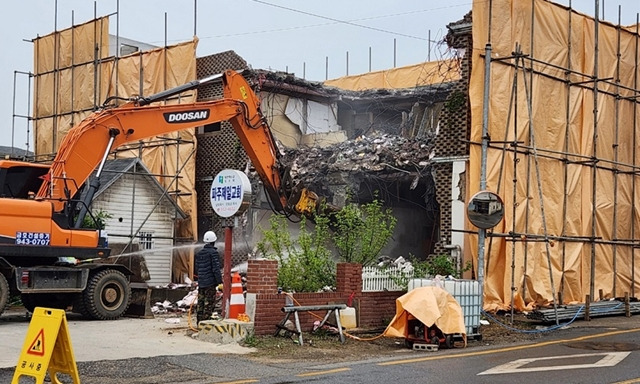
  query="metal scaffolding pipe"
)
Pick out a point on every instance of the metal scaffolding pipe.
point(483, 165)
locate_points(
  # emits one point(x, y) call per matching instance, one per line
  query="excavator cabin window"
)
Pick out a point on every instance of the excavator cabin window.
point(18, 181)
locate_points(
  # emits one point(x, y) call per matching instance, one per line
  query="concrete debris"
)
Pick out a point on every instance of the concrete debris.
point(353, 160)
point(190, 299)
point(180, 306)
point(400, 263)
point(384, 153)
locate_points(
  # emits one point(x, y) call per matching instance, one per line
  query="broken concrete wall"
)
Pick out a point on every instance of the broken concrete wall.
point(299, 112)
point(274, 106)
point(360, 143)
point(311, 116)
point(296, 121)
point(411, 114)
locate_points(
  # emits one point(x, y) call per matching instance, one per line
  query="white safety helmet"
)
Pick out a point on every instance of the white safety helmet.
point(209, 237)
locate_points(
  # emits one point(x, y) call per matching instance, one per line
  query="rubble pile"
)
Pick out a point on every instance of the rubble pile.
point(181, 306)
point(379, 154)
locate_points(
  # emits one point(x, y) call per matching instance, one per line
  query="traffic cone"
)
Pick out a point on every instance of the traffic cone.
point(236, 301)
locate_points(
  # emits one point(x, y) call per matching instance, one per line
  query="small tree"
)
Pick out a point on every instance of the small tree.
point(305, 264)
point(97, 220)
point(362, 231)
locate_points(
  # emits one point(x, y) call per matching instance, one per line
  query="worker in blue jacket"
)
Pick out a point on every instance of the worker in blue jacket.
point(207, 263)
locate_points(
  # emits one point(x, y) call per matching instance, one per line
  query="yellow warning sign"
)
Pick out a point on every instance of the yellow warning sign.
point(37, 347)
point(47, 348)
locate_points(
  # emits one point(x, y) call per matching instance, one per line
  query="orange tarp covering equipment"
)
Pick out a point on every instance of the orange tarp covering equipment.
point(430, 305)
point(589, 213)
point(417, 75)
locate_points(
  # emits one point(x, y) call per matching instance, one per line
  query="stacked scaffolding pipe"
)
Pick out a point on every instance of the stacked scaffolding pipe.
point(596, 309)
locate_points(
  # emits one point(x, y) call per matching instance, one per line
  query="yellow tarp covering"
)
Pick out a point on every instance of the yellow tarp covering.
point(427, 73)
point(69, 83)
point(430, 305)
point(579, 201)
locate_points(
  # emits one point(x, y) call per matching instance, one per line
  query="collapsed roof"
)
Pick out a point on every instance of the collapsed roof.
point(383, 157)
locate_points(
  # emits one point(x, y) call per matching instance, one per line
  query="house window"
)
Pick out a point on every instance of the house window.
point(146, 240)
point(209, 128)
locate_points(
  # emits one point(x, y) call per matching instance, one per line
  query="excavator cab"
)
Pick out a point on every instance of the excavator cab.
point(21, 180)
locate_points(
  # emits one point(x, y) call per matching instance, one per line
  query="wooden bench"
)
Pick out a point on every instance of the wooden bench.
point(331, 308)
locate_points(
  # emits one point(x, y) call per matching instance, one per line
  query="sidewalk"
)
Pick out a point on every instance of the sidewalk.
point(111, 340)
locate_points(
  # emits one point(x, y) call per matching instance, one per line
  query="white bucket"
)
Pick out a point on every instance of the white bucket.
point(348, 318)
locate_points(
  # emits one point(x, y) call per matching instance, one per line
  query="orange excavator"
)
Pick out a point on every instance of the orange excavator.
point(41, 216)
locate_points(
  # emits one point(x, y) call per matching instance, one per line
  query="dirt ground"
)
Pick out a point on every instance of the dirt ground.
point(323, 345)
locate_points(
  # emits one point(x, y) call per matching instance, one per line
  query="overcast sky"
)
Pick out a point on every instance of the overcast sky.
point(297, 36)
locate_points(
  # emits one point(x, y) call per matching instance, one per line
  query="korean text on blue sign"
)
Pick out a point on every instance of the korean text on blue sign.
point(231, 189)
point(32, 238)
point(226, 193)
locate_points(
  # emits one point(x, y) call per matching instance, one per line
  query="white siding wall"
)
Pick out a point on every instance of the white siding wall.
point(311, 116)
point(119, 201)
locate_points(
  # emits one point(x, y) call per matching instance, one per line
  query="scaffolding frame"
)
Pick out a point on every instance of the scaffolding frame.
point(99, 60)
point(526, 64)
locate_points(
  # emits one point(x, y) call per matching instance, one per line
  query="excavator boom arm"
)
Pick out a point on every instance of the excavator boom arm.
point(84, 147)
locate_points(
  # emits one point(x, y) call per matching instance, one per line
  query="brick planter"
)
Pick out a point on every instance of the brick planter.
point(374, 309)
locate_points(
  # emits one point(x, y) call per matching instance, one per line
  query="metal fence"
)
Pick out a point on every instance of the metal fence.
point(375, 279)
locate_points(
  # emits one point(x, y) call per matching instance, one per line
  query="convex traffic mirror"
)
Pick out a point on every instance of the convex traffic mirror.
point(485, 209)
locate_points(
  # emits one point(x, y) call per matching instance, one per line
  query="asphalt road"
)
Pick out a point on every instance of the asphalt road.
point(152, 351)
point(117, 349)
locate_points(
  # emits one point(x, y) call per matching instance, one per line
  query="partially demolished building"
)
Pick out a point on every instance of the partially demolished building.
point(558, 126)
point(340, 142)
point(376, 134)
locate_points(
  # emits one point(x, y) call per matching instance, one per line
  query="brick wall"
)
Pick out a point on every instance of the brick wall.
point(349, 278)
point(374, 309)
point(452, 140)
point(218, 150)
point(262, 276)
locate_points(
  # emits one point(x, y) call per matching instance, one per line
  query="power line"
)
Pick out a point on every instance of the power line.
point(339, 21)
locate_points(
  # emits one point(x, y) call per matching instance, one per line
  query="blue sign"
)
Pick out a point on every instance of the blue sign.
point(33, 238)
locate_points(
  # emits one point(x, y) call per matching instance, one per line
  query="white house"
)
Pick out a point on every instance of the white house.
point(140, 216)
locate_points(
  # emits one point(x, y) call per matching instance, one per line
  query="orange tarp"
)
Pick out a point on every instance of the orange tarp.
point(552, 189)
point(69, 84)
point(430, 305)
point(427, 73)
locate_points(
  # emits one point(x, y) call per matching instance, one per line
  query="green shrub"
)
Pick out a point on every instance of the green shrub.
point(362, 231)
point(96, 220)
point(305, 264)
point(443, 265)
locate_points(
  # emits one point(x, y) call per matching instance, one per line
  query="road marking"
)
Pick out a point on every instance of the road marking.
point(630, 381)
point(508, 349)
point(316, 373)
point(241, 381)
point(608, 359)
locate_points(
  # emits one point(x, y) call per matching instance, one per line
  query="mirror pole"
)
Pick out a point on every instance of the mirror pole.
point(483, 166)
